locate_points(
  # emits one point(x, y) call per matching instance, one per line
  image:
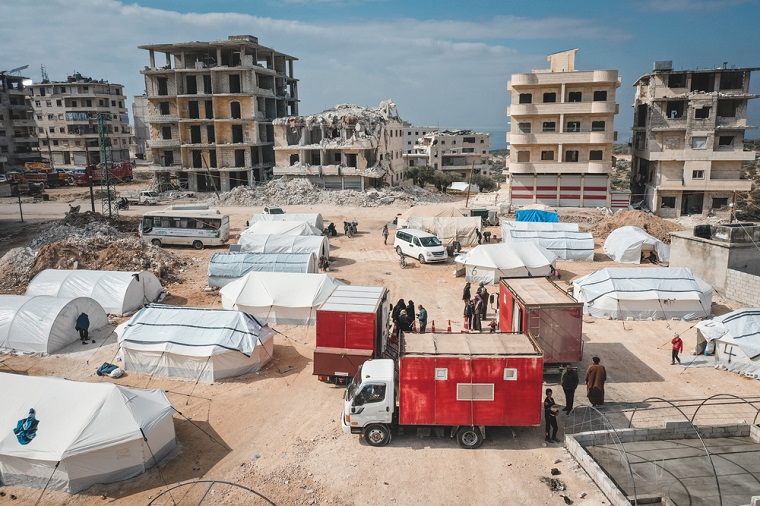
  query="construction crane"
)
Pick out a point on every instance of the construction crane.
point(107, 191)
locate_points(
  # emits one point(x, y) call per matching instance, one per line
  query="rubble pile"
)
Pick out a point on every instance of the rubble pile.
point(651, 224)
point(284, 192)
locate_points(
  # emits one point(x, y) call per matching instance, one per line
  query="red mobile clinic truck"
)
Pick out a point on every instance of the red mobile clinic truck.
point(352, 326)
point(537, 306)
point(465, 382)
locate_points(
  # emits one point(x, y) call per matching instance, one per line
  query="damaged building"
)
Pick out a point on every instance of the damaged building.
point(688, 139)
point(456, 151)
point(347, 147)
point(561, 134)
point(18, 137)
point(210, 111)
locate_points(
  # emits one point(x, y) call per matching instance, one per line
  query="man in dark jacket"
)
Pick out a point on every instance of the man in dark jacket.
point(83, 326)
point(569, 382)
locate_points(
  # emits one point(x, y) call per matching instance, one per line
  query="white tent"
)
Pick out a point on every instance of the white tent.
point(226, 267)
point(44, 324)
point(313, 219)
point(195, 343)
point(734, 338)
point(279, 297)
point(258, 243)
point(625, 245)
point(281, 228)
point(117, 291)
point(491, 262)
point(542, 226)
point(644, 293)
point(566, 244)
point(87, 433)
point(463, 187)
point(431, 211)
point(447, 229)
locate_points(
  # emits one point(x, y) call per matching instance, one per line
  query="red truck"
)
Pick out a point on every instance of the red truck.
point(352, 327)
point(464, 382)
point(540, 308)
point(119, 172)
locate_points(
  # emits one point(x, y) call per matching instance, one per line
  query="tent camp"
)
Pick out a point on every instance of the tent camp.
point(279, 297)
point(226, 267)
point(118, 292)
point(734, 338)
point(488, 263)
point(44, 324)
point(536, 215)
point(447, 229)
point(628, 244)
point(281, 228)
point(87, 433)
point(195, 343)
point(566, 244)
point(644, 294)
point(315, 220)
point(258, 243)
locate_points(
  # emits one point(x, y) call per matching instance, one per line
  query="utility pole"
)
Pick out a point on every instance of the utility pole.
point(88, 173)
point(108, 196)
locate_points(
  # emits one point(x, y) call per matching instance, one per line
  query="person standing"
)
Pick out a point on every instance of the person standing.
point(484, 306)
point(466, 294)
point(550, 415)
point(677, 348)
point(569, 381)
point(469, 312)
point(385, 234)
point(422, 317)
point(477, 310)
point(83, 326)
point(410, 312)
point(596, 375)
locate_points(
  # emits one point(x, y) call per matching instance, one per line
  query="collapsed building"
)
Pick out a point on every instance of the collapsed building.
point(347, 147)
point(456, 151)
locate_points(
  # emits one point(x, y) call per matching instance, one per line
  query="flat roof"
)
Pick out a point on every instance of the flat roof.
point(354, 299)
point(486, 344)
point(537, 291)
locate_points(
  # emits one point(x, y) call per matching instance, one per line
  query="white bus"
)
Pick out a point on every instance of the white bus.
point(196, 227)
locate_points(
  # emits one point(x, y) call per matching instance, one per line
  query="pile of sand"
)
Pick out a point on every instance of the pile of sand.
point(651, 224)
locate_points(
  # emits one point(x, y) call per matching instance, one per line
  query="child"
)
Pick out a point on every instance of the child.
point(550, 414)
point(677, 348)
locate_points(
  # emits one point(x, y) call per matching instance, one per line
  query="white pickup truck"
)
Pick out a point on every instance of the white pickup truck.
point(146, 197)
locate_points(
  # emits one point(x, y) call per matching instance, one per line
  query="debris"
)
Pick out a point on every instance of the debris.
point(557, 461)
point(582, 494)
point(567, 499)
point(554, 484)
point(555, 471)
point(651, 224)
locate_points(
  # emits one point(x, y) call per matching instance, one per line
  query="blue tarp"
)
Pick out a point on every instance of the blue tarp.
point(535, 215)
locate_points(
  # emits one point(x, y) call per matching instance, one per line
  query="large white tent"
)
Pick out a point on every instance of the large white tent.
point(447, 229)
point(313, 219)
point(44, 324)
point(626, 244)
point(566, 244)
point(87, 433)
point(279, 297)
point(118, 292)
point(491, 262)
point(431, 211)
point(644, 293)
point(734, 338)
point(263, 243)
point(281, 228)
point(226, 267)
point(195, 343)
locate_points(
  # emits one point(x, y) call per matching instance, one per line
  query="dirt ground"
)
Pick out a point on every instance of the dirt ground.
point(278, 432)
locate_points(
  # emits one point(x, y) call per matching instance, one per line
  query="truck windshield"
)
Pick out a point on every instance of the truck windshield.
point(430, 241)
point(353, 387)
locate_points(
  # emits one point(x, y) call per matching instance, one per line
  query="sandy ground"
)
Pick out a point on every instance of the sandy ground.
point(278, 432)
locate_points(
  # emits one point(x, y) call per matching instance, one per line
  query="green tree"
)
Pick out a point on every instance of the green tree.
point(485, 183)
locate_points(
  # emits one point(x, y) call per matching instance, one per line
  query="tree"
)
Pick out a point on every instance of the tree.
point(485, 183)
point(421, 175)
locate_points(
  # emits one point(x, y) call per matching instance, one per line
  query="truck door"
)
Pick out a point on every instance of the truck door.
point(372, 404)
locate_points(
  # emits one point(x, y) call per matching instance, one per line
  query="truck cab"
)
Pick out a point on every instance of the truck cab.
point(370, 402)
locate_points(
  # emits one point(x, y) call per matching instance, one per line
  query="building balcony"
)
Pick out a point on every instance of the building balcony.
point(676, 155)
point(558, 78)
point(556, 108)
point(742, 185)
point(20, 107)
point(592, 167)
point(164, 118)
point(554, 138)
point(163, 143)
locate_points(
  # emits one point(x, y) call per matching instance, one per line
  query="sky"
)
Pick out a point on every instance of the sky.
point(443, 63)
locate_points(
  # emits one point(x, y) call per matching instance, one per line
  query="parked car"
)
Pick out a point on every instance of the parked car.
point(419, 244)
point(273, 210)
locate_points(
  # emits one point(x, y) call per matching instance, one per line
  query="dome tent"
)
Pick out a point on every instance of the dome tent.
point(118, 292)
point(734, 338)
point(625, 245)
point(263, 243)
point(282, 228)
point(226, 267)
point(313, 219)
point(488, 263)
point(44, 324)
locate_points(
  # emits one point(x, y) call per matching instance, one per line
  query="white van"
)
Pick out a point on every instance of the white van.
point(419, 244)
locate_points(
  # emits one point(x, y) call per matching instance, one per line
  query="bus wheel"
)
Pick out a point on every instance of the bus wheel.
point(469, 437)
point(156, 242)
point(197, 245)
point(377, 435)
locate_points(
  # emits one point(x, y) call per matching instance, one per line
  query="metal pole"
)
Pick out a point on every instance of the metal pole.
point(88, 173)
point(469, 183)
point(21, 211)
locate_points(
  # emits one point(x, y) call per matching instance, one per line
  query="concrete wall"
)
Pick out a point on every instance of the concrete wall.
point(743, 287)
point(708, 260)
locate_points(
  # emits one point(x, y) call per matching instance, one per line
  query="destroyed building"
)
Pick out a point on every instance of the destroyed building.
point(347, 147)
point(561, 134)
point(688, 139)
point(456, 151)
point(18, 138)
point(210, 111)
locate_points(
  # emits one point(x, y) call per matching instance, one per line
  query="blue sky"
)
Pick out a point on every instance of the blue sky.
point(443, 63)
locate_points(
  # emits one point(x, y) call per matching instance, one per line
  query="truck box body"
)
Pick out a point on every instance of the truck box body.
point(459, 380)
point(538, 307)
point(352, 327)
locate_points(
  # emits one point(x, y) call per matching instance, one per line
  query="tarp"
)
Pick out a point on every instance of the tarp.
point(566, 244)
point(226, 267)
point(195, 343)
point(507, 226)
point(315, 220)
point(644, 293)
point(258, 243)
point(44, 324)
point(118, 292)
point(488, 263)
point(536, 215)
point(93, 430)
point(279, 297)
point(625, 245)
point(462, 186)
point(447, 229)
point(281, 228)
point(432, 211)
point(734, 338)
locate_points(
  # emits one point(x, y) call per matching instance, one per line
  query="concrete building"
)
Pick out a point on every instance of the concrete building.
point(18, 135)
point(460, 151)
point(67, 112)
point(561, 134)
point(348, 147)
point(688, 139)
point(210, 111)
point(413, 135)
point(141, 130)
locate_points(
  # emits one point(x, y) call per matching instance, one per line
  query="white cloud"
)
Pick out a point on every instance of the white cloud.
point(692, 5)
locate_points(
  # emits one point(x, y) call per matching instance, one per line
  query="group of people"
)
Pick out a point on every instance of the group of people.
point(324, 263)
point(475, 307)
point(404, 315)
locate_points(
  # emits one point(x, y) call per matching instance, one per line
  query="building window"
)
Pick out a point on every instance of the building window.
point(163, 108)
point(510, 374)
point(441, 373)
point(163, 85)
point(731, 80)
point(37, 103)
point(192, 110)
point(547, 155)
point(698, 142)
point(719, 203)
point(549, 126)
point(62, 130)
point(113, 103)
point(571, 155)
point(600, 96)
point(573, 126)
point(48, 103)
point(59, 103)
point(697, 174)
point(523, 128)
point(240, 158)
point(237, 135)
point(550, 97)
point(727, 108)
point(668, 202)
point(526, 98)
point(595, 154)
point(575, 96)
point(598, 126)
point(89, 102)
point(702, 113)
point(210, 134)
point(523, 156)
point(676, 81)
point(675, 109)
point(726, 140)
point(235, 110)
point(234, 80)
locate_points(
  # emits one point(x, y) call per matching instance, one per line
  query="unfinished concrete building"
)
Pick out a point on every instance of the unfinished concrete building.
point(413, 135)
point(210, 111)
point(141, 130)
point(348, 147)
point(67, 120)
point(18, 139)
point(456, 151)
point(688, 140)
point(561, 134)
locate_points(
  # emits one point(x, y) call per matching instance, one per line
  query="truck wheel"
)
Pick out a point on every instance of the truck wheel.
point(197, 245)
point(469, 437)
point(156, 242)
point(377, 435)
point(422, 259)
